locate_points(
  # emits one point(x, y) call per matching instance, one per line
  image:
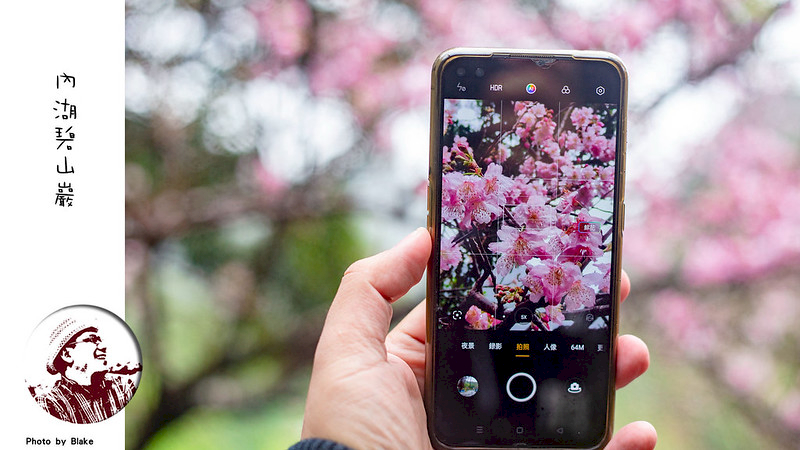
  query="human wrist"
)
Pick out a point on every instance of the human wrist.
point(318, 444)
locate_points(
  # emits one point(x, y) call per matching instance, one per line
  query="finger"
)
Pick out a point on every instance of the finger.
point(407, 341)
point(360, 313)
point(624, 286)
point(634, 436)
point(633, 359)
point(412, 326)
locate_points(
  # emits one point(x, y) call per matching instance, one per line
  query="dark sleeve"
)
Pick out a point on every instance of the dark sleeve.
point(318, 444)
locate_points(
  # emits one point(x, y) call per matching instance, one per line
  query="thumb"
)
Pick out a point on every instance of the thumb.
point(361, 312)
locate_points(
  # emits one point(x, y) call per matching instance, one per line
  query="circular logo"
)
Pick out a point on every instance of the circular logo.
point(467, 386)
point(530, 88)
point(83, 364)
point(600, 90)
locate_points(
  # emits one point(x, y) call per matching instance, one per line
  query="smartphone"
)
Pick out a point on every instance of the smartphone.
point(526, 207)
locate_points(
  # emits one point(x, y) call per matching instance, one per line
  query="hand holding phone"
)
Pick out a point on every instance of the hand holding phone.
point(366, 387)
point(525, 207)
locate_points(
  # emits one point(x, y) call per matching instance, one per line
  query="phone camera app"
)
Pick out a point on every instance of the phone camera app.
point(530, 88)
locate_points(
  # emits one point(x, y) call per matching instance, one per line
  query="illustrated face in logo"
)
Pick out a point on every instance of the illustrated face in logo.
point(87, 352)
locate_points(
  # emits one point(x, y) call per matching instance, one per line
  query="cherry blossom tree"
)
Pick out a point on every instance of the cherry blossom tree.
point(260, 131)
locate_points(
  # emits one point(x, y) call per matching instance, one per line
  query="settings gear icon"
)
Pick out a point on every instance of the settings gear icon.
point(565, 90)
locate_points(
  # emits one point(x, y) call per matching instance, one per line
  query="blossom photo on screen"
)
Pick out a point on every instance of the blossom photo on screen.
point(527, 212)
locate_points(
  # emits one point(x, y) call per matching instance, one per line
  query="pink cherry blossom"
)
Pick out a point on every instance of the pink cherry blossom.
point(577, 173)
point(479, 319)
point(499, 155)
point(551, 149)
point(528, 166)
point(450, 108)
point(602, 148)
point(529, 112)
point(480, 207)
point(747, 371)
point(604, 182)
point(461, 143)
point(568, 201)
point(582, 117)
point(543, 132)
point(453, 206)
point(790, 410)
point(556, 278)
point(585, 237)
point(546, 170)
point(534, 214)
point(579, 296)
point(450, 255)
point(515, 248)
point(447, 156)
point(551, 316)
point(284, 27)
point(570, 141)
point(522, 190)
point(495, 183)
point(600, 279)
point(346, 56)
point(585, 194)
point(686, 324)
point(550, 242)
point(272, 183)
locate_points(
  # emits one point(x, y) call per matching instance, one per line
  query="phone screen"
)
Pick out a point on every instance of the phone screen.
point(526, 197)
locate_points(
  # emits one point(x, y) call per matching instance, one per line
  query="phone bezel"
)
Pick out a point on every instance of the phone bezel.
point(434, 211)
